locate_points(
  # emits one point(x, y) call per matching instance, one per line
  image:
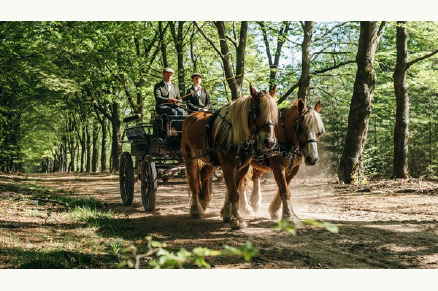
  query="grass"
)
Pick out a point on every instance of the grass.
point(52, 259)
point(61, 229)
point(93, 217)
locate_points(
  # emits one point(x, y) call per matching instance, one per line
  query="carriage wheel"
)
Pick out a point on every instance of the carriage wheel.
point(149, 184)
point(126, 176)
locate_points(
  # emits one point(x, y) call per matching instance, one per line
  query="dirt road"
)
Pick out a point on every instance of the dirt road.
point(386, 224)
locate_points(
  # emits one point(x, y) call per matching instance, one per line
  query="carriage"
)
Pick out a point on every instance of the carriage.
point(154, 159)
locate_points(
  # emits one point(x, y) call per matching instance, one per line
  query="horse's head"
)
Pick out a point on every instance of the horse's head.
point(263, 117)
point(308, 128)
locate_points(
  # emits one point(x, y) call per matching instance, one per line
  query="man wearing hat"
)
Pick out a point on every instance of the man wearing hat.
point(199, 97)
point(166, 95)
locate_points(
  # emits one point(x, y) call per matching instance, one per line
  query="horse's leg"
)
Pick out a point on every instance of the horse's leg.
point(288, 180)
point(192, 171)
point(274, 207)
point(278, 170)
point(284, 191)
point(230, 211)
point(204, 197)
point(256, 195)
point(244, 206)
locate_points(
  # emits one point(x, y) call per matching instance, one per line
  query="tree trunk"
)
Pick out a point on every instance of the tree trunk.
point(360, 107)
point(104, 126)
point(95, 156)
point(116, 148)
point(235, 84)
point(304, 84)
point(83, 142)
point(236, 92)
point(401, 129)
point(63, 151)
point(192, 51)
point(88, 163)
point(178, 38)
point(162, 32)
point(71, 167)
point(77, 156)
point(240, 54)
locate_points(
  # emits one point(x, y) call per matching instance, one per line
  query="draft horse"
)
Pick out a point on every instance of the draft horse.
point(227, 139)
point(297, 132)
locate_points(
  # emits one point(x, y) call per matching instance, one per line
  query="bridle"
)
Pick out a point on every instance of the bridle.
point(252, 116)
point(298, 126)
point(299, 129)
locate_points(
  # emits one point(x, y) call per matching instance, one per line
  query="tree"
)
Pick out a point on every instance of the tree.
point(324, 41)
point(360, 107)
point(234, 79)
point(178, 35)
point(401, 128)
point(304, 83)
point(281, 39)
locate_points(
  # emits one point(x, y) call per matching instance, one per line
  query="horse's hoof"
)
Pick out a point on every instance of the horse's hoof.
point(237, 224)
point(256, 208)
point(247, 211)
point(295, 221)
point(275, 216)
point(204, 203)
point(196, 215)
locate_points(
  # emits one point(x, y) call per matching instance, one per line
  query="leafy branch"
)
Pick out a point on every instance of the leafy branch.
point(158, 257)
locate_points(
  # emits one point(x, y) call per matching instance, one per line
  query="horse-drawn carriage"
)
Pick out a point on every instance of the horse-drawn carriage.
point(234, 138)
point(155, 146)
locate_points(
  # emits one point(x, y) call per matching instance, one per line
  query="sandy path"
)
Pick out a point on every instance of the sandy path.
point(382, 225)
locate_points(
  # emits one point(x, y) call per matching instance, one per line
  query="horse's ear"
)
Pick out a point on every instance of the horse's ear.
point(272, 92)
point(301, 105)
point(318, 106)
point(252, 90)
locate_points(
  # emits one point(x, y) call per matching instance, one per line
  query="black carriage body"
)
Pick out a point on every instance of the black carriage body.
point(156, 149)
point(159, 139)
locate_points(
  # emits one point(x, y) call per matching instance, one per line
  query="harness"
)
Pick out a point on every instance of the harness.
point(253, 115)
point(299, 129)
point(249, 147)
point(289, 150)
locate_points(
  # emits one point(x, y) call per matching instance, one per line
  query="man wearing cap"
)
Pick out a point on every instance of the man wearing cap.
point(199, 97)
point(166, 95)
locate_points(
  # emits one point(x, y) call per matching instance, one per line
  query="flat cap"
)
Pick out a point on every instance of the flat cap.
point(196, 74)
point(168, 70)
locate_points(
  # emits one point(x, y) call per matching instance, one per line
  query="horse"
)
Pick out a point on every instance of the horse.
point(297, 132)
point(225, 139)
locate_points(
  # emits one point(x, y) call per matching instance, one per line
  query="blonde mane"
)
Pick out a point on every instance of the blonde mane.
point(313, 122)
point(232, 128)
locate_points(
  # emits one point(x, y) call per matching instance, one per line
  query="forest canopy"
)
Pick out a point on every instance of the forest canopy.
point(66, 86)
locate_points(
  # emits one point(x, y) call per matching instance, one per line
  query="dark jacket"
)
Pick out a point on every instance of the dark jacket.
point(162, 95)
point(195, 102)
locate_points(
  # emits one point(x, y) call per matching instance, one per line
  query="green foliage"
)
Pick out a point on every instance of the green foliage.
point(55, 75)
point(286, 225)
point(158, 257)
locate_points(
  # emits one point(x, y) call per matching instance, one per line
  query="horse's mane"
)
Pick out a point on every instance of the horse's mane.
point(231, 125)
point(312, 120)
